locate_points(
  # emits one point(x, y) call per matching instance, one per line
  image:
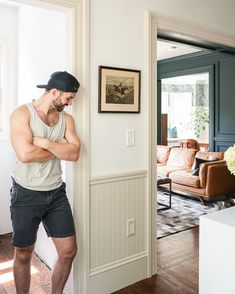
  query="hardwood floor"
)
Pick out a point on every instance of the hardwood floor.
point(177, 268)
point(40, 279)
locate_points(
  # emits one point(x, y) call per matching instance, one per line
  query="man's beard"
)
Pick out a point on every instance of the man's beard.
point(58, 105)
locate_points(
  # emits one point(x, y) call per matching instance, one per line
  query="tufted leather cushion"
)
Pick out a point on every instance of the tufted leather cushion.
point(209, 155)
point(181, 157)
point(164, 171)
point(162, 154)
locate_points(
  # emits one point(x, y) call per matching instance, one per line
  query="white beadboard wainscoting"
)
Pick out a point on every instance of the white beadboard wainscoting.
point(115, 259)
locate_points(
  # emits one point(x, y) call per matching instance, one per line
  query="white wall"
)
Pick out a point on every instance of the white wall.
point(117, 39)
point(115, 42)
point(8, 39)
point(7, 160)
point(42, 49)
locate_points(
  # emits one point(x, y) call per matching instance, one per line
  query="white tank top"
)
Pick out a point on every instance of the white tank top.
point(46, 175)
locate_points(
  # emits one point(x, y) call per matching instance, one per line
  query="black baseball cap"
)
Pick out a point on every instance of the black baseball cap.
point(63, 81)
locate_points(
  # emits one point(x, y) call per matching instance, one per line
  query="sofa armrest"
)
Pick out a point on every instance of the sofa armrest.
point(219, 180)
point(204, 170)
point(162, 154)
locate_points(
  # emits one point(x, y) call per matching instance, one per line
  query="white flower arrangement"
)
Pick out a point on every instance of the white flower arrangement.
point(229, 157)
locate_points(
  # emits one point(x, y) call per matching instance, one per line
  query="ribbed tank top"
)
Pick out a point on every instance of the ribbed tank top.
point(46, 175)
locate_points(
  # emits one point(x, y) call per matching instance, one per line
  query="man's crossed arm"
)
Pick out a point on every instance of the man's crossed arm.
point(36, 149)
point(68, 148)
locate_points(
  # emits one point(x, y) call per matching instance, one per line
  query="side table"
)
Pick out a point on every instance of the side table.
point(163, 181)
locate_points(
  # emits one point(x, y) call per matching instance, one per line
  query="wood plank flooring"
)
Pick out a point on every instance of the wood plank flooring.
point(40, 278)
point(177, 267)
point(177, 264)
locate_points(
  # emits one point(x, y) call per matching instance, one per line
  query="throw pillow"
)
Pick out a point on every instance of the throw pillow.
point(199, 161)
point(195, 172)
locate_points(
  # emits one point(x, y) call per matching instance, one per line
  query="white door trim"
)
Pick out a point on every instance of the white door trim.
point(153, 23)
point(78, 10)
point(151, 32)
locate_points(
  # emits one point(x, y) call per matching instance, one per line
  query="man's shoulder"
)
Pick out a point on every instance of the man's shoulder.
point(68, 116)
point(21, 110)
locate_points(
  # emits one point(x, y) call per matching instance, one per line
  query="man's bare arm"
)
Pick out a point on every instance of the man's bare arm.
point(22, 139)
point(68, 149)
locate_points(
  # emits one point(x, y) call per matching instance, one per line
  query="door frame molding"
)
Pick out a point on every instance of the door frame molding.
point(153, 23)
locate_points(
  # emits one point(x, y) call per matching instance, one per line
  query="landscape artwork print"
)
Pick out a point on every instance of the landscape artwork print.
point(119, 90)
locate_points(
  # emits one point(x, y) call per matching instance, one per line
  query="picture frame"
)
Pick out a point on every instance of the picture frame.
point(119, 90)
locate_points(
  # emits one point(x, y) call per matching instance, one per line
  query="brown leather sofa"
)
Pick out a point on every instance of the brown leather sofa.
point(213, 179)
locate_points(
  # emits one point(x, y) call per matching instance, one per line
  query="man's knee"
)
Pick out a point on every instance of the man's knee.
point(68, 253)
point(24, 254)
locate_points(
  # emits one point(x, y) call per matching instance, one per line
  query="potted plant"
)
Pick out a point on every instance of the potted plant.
point(201, 119)
point(229, 157)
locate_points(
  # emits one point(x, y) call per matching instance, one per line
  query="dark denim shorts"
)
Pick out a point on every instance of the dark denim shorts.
point(29, 208)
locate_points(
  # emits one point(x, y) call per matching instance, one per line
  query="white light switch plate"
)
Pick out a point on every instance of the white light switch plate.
point(130, 138)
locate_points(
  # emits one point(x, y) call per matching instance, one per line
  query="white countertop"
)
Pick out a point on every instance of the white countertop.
point(225, 216)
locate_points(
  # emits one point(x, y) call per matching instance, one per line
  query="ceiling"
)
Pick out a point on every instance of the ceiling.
point(8, 3)
point(167, 49)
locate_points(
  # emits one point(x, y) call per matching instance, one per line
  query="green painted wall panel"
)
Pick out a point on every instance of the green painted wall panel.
point(226, 97)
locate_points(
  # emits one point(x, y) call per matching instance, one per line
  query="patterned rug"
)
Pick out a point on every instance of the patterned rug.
point(184, 214)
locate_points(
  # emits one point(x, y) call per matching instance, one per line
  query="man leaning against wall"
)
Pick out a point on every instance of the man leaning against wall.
point(43, 134)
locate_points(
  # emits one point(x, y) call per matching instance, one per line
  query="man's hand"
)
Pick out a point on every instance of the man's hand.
point(63, 141)
point(40, 142)
point(66, 149)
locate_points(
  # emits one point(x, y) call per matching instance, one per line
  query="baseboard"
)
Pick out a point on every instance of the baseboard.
point(117, 278)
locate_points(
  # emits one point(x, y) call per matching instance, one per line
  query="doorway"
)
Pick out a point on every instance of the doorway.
point(44, 43)
point(154, 23)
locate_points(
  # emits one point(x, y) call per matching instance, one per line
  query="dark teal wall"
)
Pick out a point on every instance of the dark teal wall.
point(222, 92)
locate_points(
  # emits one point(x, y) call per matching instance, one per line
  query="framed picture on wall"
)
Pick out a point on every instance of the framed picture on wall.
point(119, 90)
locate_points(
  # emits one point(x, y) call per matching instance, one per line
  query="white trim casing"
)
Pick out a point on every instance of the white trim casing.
point(118, 177)
point(82, 168)
point(151, 33)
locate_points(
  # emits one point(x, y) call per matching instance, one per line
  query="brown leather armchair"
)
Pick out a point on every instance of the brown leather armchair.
point(189, 143)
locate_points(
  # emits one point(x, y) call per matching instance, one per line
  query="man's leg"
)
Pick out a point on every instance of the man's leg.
point(66, 249)
point(21, 269)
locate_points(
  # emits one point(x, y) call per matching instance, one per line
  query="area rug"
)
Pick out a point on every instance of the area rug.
point(183, 214)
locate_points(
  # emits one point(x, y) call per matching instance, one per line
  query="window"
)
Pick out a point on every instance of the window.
point(185, 100)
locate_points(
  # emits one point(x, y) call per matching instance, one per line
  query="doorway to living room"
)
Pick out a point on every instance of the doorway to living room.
point(224, 56)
